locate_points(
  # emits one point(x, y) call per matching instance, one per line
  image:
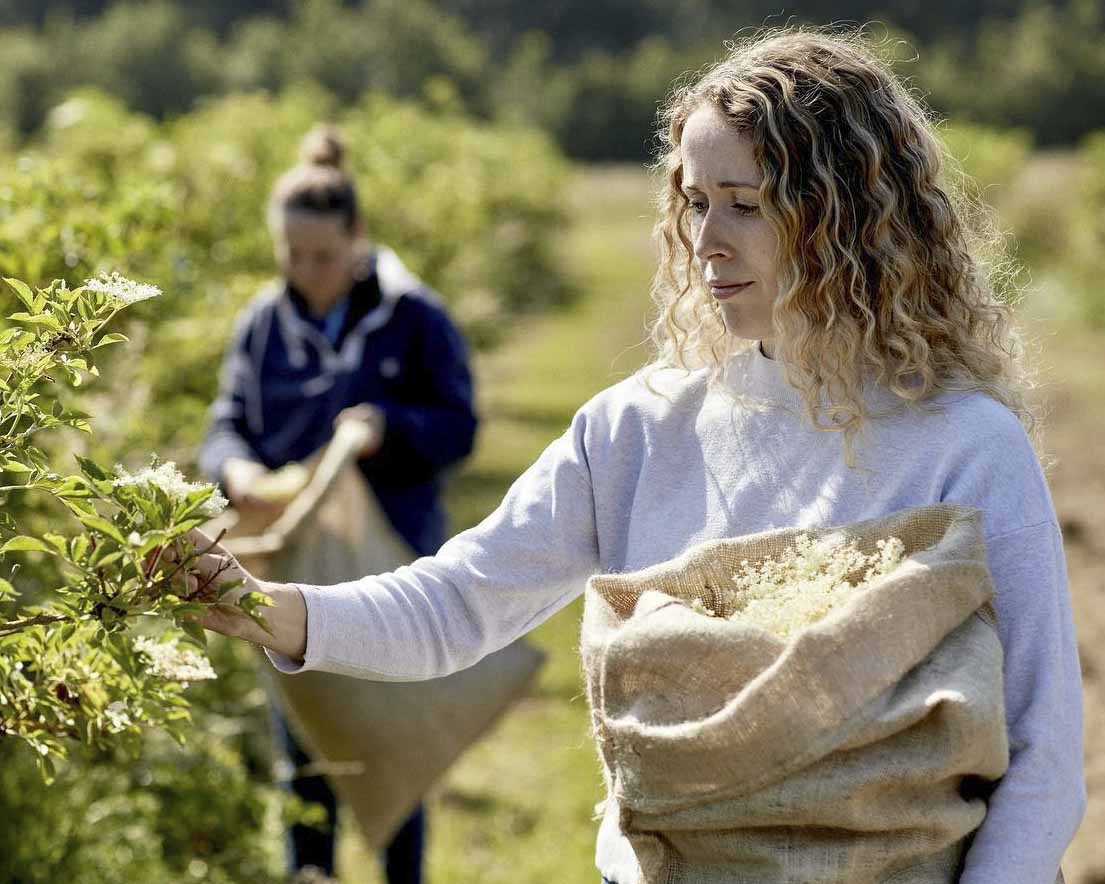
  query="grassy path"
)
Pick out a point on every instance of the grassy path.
point(518, 807)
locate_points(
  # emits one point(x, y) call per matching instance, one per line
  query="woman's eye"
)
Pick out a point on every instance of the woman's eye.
point(745, 208)
point(698, 207)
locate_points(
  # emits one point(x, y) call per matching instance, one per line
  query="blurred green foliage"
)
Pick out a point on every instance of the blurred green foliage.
point(993, 158)
point(590, 72)
point(471, 208)
point(1085, 267)
point(1047, 205)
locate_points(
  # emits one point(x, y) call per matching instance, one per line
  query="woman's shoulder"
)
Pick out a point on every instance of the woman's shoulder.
point(643, 404)
point(979, 419)
point(651, 392)
point(990, 462)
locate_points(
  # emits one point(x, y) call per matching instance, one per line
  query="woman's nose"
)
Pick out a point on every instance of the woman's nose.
point(711, 241)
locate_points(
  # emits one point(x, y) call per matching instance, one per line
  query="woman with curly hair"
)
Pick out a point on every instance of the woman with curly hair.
point(830, 348)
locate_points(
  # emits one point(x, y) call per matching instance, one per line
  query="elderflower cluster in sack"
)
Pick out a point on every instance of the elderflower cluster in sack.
point(787, 593)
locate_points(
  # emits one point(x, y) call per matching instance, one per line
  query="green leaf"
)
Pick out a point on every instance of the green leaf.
point(63, 293)
point(78, 547)
point(102, 558)
point(20, 337)
point(229, 585)
point(253, 600)
point(113, 338)
point(58, 542)
point(250, 602)
point(22, 291)
point(92, 469)
point(46, 319)
point(14, 466)
point(194, 633)
point(7, 591)
point(152, 541)
point(99, 523)
point(23, 543)
point(77, 506)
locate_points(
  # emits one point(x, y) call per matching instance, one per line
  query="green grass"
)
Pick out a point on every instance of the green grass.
point(518, 807)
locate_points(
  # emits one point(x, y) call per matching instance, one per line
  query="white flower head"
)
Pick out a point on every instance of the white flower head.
point(122, 289)
point(167, 660)
point(118, 719)
point(32, 357)
point(170, 480)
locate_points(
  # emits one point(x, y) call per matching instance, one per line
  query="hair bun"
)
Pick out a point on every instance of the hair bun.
point(322, 146)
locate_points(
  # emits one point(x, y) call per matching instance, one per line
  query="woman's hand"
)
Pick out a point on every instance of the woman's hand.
point(215, 566)
point(371, 416)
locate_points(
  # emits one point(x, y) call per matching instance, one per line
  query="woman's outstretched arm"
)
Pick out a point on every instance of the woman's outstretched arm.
point(483, 589)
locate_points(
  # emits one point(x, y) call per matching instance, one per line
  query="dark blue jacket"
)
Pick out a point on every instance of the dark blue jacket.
point(283, 382)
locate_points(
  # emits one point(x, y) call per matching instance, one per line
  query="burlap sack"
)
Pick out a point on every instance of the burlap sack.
point(383, 745)
point(856, 752)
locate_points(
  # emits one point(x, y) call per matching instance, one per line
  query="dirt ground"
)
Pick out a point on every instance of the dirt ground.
point(1075, 438)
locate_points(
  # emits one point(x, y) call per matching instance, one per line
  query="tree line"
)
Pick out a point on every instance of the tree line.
point(597, 69)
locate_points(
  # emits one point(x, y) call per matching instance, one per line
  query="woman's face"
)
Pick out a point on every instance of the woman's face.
point(733, 243)
point(317, 255)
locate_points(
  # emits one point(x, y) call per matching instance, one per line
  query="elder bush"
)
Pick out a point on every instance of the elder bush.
point(97, 644)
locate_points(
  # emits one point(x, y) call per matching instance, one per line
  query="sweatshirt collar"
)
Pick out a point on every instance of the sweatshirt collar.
point(750, 373)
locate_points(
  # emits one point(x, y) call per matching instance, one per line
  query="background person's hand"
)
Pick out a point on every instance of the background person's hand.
point(371, 416)
point(239, 478)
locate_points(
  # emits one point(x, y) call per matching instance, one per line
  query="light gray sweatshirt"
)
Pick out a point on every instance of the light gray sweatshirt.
point(639, 477)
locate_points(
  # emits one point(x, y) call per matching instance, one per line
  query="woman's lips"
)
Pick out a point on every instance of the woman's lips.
point(721, 292)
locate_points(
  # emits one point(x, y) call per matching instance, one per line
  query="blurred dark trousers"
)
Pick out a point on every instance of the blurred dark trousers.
point(308, 846)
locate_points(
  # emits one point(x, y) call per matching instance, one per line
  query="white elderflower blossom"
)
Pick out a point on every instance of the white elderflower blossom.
point(170, 480)
point(784, 595)
point(167, 660)
point(31, 357)
point(118, 719)
point(122, 289)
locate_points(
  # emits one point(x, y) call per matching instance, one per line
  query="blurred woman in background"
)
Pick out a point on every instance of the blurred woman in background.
point(347, 334)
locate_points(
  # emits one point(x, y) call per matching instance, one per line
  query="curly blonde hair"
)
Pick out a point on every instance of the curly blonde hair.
point(887, 270)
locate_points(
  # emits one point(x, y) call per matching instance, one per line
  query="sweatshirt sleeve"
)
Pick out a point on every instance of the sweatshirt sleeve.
point(423, 438)
point(1038, 805)
point(483, 589)
point(228, 433)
